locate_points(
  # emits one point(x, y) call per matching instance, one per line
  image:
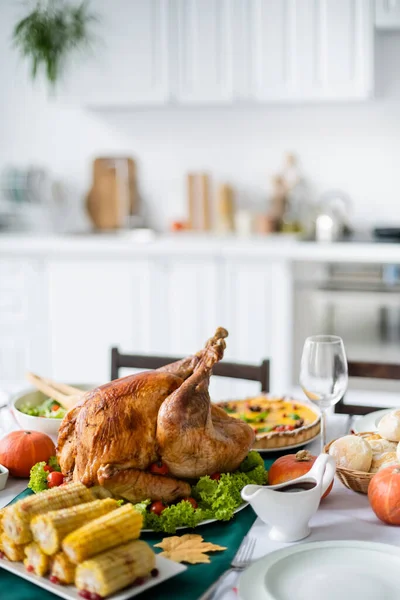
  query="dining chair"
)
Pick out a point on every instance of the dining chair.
point(367, 370)
point(231, 370)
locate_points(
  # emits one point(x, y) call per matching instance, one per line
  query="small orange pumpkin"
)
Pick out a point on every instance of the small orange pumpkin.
point(20, 450)
point(384, 494)
point(291, 466)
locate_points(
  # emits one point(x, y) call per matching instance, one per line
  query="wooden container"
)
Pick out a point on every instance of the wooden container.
point(225, 209)
point(113, 195)
point(198, 201)
point(358, 481)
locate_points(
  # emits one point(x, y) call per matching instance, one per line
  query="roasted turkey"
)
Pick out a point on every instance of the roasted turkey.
point(117, 431)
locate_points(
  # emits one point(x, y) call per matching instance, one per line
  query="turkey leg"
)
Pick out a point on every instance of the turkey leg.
point(193, 439)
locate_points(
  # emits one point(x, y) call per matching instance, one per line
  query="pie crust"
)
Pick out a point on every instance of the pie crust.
point(282, 439)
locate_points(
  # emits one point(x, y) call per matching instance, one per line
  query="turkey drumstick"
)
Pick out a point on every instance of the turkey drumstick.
point(193, 439)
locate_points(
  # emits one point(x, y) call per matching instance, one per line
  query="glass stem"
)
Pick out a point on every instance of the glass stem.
point(323, 429)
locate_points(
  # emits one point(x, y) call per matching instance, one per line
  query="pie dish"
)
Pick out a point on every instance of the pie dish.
point(278, 422)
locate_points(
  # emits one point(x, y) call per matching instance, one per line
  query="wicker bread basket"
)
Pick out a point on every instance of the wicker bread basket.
point(358, 481)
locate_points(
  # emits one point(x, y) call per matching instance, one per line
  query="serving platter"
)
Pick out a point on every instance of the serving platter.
point(370, 422)
point(205, 522)
point(334, 570)
point(167, 569)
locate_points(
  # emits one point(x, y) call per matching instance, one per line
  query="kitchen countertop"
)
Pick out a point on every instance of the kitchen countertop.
point(275, 246)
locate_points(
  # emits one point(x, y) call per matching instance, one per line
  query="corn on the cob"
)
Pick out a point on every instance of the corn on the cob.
point(17, 518)
point(54, 499)
point(116, 528)
point(115, 569)
point(63, 569)
point(36, 561)
point(50, 529)
point(2, 511)
point(13, 551)
point(16, 528)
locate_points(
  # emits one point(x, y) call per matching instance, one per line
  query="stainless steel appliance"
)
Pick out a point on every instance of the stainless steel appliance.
point(358, 302)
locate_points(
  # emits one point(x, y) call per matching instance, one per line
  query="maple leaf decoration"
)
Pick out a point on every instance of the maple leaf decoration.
point(189, 548)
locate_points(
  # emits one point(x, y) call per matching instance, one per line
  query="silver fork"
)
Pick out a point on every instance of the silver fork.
point(240, 561)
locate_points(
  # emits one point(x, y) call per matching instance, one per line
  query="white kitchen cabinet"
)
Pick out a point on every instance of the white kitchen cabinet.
point(257, 306)
point(23, 319)
point(129, 63)
point(310, 50)
point(94, 305)
point(205, 51)
point(387, 14)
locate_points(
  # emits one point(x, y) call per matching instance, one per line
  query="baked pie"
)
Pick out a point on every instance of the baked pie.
point(277, 422)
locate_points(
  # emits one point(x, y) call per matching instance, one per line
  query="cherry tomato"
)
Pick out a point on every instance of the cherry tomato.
point(47, 468)
point(157, 507)
point(29, 568)
point(158, 468)
point(289, 427)
point(216, 476)
point(192, 502)
point(55, 478)
point(280, 428)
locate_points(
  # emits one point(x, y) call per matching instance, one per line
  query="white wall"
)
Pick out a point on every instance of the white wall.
point(352, 147)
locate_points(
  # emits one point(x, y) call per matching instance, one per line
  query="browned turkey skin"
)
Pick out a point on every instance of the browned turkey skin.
point(118, 430)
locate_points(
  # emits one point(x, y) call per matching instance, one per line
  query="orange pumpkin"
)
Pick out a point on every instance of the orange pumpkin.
point(20, 450)
point(291, 466)
point(384, 494)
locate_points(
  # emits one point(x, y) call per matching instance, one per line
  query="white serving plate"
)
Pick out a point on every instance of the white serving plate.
point(167, 569)
point(370, 422)
point(336, 570)
point(205, 522)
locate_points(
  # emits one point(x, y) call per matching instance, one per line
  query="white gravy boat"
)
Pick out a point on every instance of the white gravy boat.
point(288, 507)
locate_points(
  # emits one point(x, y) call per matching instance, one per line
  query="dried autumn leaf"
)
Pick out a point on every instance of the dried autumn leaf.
point(188, 548)
point(170, 543)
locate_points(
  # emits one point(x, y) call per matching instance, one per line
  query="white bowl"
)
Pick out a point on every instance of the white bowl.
point(3, 477)
point(33, 397)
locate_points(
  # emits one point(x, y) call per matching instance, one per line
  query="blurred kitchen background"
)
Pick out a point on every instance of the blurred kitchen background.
point(202, 163)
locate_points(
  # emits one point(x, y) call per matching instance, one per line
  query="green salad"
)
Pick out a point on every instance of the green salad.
point(214, 498)
point(51, 409)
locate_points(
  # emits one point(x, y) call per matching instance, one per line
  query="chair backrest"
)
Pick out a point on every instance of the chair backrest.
point(248, 372)
point(367, 370)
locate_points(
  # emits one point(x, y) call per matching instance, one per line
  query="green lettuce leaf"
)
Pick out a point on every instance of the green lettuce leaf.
point(38, 478)
point(252, 460)
point(54, 464)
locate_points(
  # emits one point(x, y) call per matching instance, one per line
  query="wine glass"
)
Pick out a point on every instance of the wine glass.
point(323, 373)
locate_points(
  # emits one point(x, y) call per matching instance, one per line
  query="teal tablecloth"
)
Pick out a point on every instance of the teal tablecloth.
point(189, 585)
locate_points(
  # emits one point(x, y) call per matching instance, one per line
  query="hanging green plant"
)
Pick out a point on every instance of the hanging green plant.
point(48, 35)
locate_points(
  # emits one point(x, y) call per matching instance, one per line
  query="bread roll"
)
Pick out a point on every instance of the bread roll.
point(380, 461)
point(352, 452)
point(389, 426)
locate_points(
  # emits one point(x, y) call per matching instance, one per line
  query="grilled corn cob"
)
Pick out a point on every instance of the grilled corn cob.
point(36, 561)
point(50, 529)
point(13, 551)
point(63, 569)
point(17, 518)
point(115, 528)
point(115, 569)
